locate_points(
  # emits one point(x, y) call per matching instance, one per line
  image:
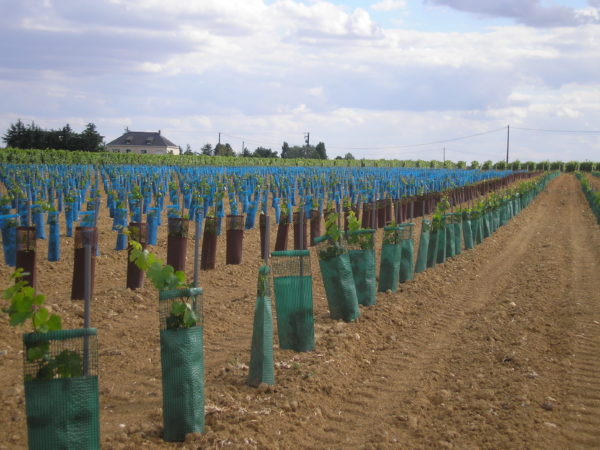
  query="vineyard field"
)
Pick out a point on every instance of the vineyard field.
point(493, 349)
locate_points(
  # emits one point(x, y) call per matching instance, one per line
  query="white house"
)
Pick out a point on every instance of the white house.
point(143, 142)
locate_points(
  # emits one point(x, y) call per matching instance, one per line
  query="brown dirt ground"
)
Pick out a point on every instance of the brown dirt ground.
point(497, 348)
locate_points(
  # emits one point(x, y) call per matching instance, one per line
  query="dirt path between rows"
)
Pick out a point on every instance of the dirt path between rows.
point(497, 348)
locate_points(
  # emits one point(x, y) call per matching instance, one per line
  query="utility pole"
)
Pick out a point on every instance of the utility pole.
point(307, 139)
point(507, 142)
point(219, 138)
point(243, 147)
point(444, 155)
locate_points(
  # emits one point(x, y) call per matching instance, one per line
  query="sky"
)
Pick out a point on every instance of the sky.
point(401, 79)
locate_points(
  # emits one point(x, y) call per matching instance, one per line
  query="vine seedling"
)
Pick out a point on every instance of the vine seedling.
point(26, 304)
point(164, 277)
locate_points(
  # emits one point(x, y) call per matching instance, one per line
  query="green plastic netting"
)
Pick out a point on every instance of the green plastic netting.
point(336, 272)
point(441, 244)
point(407, 252)
point(362, 259)
point(432, 250)
point(61, 389)
point(292, 280)
point(421, 263)
point(467, 234)
point(261, 354)
point(457, 233)
point(450, 249)
point(182, 362)
point(477, 229)
point(487, 229)
point(389, 268)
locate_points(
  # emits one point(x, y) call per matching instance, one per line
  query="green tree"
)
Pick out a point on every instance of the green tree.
point(90, 138)
point(262, 152)
point(224, 150)
point(321, 152)
point(285, 148)
point(16, 135)
point(349, 156)
point(474, 165)
point(188, 150)
point(207, 149)
point(487, 165)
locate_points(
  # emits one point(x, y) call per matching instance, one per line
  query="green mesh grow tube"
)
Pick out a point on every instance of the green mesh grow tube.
point(261, 354)
point(467, 231)
point(477, 228)
point(361, 252)
point(441, 242)
point(292, 280)
point(182, 362)
point(336, 272)
point(421, 264)
point(61, 389)
point(487, 228)
point(389, 268)
point(450, 250)
point(496, 216)
point(407, 252)
point(457, 233)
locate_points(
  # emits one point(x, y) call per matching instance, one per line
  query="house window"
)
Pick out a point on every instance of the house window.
point(116, 150)
point(144, 150)
point(128, 150)
point(128, 140)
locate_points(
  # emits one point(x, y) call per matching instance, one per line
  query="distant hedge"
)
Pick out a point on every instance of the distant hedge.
point(19, 156)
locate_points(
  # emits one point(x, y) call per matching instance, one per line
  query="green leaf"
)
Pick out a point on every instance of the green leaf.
point(180, 274)
point(37, 352)
point(189, 317)
point(17, 318)
point(54, 323)
point(69, 364)
point(46, 371)
point(178, 308)
point(40, 317)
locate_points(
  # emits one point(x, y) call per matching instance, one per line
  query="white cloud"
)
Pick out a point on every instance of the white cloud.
point(286, 67)
point(388, 5)
point(529, 12)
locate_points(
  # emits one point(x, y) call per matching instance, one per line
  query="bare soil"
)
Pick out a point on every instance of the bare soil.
point(496, 348)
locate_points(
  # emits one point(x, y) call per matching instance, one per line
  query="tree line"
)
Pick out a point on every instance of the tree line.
point(24, 136)
point(303, 152)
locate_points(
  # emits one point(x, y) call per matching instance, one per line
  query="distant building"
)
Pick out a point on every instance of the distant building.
point(143, 142)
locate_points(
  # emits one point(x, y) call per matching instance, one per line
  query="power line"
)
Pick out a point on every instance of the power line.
point(545, 130)
point(422, 144)
point(441, 141)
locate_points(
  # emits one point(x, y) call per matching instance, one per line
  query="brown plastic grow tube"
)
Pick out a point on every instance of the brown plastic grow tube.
point(81, 236)
point(262, 222)
point(209, 244)
point(381, 213)
point(315, 225)
point(367, 216)
point(177, 242)
point(297, 234)
point(25, 248)
point(135, 276)
point(235, 238)
point(282, 233)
